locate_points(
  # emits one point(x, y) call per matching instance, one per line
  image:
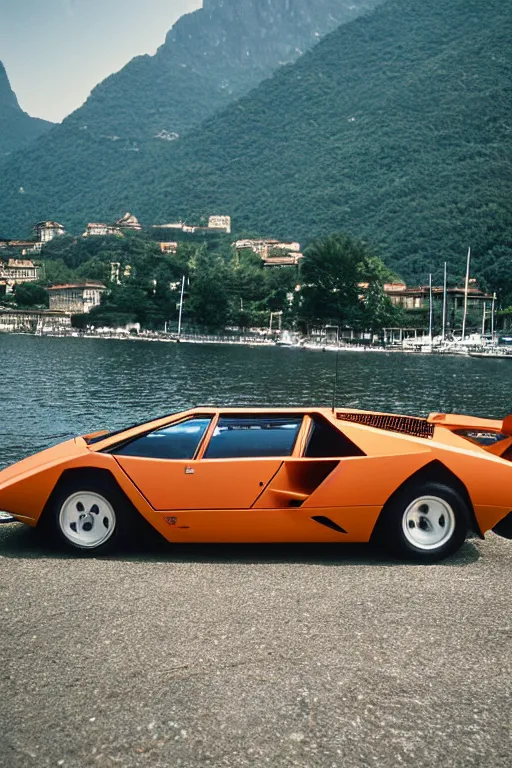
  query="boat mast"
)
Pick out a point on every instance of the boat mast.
point(430, 308)
point(181, 305)
point(466, 289)
point(443, 334)
point(483, 321)
point(493, 308)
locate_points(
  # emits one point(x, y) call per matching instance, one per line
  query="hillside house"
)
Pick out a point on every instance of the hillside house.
point(102, 230)
point(76, 298)
point(170, 247)
point(17, 271)
point(267, 247)
point(130, 222)
point(221, 223)
point(47, 230)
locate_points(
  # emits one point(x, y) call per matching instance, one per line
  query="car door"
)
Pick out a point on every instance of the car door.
point(164, 467)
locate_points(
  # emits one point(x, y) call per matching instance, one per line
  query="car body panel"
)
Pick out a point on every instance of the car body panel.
point(203, 484)
point(274, 499)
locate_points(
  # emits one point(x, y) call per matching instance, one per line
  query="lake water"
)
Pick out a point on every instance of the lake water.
point(55, 388)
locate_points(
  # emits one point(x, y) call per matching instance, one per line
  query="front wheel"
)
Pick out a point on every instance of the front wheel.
point(92, 517)
point(424, 522)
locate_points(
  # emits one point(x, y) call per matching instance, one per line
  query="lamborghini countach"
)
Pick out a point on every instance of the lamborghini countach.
point(418, 486)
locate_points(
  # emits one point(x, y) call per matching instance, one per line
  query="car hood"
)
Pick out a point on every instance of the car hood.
point(48, 457)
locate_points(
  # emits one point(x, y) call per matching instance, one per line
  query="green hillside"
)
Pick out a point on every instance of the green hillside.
point(396, 128)
point(210, 58)
point(17, 128)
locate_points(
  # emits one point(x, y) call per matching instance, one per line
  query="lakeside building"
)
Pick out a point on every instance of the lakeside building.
point(76, 298)
point(32, 321)
point(47, 230)
point(418, 297)
point(102, 230)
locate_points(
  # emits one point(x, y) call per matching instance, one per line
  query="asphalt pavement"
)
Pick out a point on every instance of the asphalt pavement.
point(253, 656)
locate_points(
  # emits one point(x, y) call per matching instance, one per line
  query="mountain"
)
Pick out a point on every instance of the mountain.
point(395, 127)
point(210, 57)
point(17, 128)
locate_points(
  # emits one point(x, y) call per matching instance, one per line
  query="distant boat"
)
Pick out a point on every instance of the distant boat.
point(494, 355)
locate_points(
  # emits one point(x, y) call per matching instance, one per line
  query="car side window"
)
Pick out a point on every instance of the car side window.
point(237, 437)
point(325, 441)
point(177, 441)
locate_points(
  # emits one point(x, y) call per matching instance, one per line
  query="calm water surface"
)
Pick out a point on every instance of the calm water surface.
point(56, 388)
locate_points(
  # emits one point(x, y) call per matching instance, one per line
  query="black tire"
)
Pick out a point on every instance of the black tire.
point(504, 527)
point(406, 530)
point(105, 518)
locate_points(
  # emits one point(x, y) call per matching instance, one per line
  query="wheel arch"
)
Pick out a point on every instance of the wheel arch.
point(438, 472)
point(85, 475)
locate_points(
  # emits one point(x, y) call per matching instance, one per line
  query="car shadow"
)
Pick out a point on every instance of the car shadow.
point(20, 542)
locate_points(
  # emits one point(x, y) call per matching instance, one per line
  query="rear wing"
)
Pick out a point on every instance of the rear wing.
point(493, 435)
point(507, 425)
point(458, 421)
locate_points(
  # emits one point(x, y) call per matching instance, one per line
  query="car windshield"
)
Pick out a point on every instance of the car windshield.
point(105, 435)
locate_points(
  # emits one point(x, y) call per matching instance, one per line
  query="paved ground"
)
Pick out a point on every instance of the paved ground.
point(254, 656)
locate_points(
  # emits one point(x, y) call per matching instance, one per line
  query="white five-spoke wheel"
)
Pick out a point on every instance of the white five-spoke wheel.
point(424, 521)
point(428, 522)
point(87, 519)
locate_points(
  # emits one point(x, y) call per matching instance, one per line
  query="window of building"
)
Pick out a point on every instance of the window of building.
point(258, 436)
point(177, 441)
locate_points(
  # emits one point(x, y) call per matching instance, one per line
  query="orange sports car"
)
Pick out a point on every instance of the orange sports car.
point(274, 475)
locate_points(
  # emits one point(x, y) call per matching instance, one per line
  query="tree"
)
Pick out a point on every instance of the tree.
point(31, 295)
point(336, 273)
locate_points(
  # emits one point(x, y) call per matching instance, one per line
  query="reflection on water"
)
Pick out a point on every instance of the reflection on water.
point(55, 388)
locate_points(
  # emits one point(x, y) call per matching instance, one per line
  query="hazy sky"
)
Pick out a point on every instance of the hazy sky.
point(56, 51)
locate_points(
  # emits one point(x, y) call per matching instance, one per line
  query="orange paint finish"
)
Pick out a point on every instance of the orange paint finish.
point(204, 484)
point(272, 499)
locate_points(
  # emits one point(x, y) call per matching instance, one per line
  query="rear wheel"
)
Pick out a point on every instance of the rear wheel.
point(92, 516)
point(424, 522)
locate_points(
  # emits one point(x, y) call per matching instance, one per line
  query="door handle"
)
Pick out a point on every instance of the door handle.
point(189, 470)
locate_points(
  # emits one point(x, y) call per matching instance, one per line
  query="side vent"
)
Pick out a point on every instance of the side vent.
point(328, 523)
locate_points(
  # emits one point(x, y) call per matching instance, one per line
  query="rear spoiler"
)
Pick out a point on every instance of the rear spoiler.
point(506, 429)
point(455, 420)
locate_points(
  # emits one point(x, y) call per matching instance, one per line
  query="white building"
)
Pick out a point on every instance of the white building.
point(47, 230)
point(101, 230)
point(76, 298)
point(129, 221)
point(18, 271)
point(267, 248)
point(220, 222)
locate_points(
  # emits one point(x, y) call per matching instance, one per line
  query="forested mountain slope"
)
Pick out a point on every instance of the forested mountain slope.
point(398, 127)
point(16, 127)
point(210, 57)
